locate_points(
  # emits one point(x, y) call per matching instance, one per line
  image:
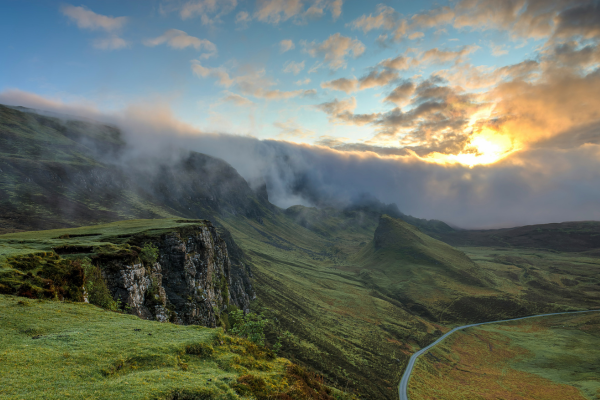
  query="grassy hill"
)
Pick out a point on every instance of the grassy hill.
point(55, 350)
point(359, 294)
point(56, 173)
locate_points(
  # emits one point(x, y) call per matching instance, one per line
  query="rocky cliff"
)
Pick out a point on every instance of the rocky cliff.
point(192, 281)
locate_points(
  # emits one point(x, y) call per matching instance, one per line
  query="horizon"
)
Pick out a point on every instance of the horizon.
point(478, 113)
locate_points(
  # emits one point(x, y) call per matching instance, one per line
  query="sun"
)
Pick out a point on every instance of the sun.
point(485, 147)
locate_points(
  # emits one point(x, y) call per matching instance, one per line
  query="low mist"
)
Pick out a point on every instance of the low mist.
point(540, 185)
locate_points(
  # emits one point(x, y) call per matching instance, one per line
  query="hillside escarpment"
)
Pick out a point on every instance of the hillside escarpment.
point(192, 281)
point(168, 270)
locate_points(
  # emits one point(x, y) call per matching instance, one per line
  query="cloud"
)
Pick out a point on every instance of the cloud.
point(520, 18)
point(399, 63)
point(87, 19)
point(335, 49)
point(537, 185)
point(293, 67)
point(220, 75)
point(499, 50)
point(336, 8)
point(433, 18)
point(342, 111)
point(377, 78)
point(401, 94)
point(251, 83)
point(209, 11)
point(286, 45)
point(242, 18)
point(237, 99)
point(374, 79)
point(416, 35)
point(386, 18)
point(437, 56)
point(112, 42)
point(290, 129)
point(302, 82)
point(180, 40)
point(341, 84)
point(581, 20)
point(276, 11)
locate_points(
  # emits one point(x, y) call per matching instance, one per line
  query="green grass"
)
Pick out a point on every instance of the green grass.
point(30, 266)
point(541, 358)
point(56, 350)
point(88, 236)
point(357, 312)
point(357, 337)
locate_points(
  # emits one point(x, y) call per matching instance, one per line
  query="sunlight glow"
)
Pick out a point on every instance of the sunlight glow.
point(485, 147)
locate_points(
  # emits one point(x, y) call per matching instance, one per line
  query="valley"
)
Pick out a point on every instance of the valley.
point(543, 358)
point(354, 289)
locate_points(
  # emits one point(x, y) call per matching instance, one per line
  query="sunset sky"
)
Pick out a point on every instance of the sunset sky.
point(511, 85)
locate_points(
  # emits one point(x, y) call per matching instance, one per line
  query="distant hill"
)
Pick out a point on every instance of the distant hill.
point(566, 236)
point(359, 286)
point(56, 174)
point(421, 272)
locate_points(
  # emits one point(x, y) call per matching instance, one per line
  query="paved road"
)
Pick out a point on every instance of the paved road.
point(403, 387)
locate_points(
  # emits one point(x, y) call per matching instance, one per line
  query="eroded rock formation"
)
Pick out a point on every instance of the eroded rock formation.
point(192, 281)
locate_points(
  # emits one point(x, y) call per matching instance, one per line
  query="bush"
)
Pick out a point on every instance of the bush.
point(199, 349)
point(97, 291)
point(149, 254)
point(251, 326)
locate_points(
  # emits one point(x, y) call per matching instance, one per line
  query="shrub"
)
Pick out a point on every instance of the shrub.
point(149, 254)
point(199, 349)
point(97, 291)
point(251, 326)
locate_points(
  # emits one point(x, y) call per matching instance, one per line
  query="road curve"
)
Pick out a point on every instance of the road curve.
point(403, 386)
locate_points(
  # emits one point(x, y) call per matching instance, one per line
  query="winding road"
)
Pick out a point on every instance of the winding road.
point(403, 386)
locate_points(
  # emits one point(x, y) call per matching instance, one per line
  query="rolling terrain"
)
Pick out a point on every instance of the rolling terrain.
point(91, 353)
point(542, 358)
point(360, 287)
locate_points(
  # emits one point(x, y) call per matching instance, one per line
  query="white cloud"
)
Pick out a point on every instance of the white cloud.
point(293, 67)
point(237, 99)
point(180, 40)
point(219, 74)
point(87, 19)
point(335, 49)
point(290, 129)
point(302, 82)
point(286, 45)
point(242, 18)
point(252, 83)
point(499, 50)
point(276, 11)
point(210, 11)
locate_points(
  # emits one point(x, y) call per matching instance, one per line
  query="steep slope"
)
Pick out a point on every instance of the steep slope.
point(56, 173)
point(421, 272)
point(190, 279)
point(443, 284)
point(89, 353)
point(358, 293)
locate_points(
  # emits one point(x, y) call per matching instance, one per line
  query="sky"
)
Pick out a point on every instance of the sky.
point(479, 112)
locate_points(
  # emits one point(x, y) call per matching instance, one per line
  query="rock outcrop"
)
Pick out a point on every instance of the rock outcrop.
point(191, 282)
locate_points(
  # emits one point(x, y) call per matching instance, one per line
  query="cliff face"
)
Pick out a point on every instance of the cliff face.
point(192, 281)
